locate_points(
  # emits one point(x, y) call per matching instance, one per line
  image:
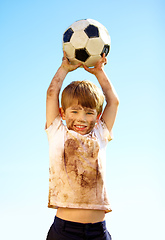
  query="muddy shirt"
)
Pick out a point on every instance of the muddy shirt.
point(77, 166)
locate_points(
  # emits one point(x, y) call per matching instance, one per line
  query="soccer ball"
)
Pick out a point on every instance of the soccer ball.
point(85, 41)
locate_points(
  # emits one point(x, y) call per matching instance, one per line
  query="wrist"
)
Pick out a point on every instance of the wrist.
point(63, 69)
point(99, 73)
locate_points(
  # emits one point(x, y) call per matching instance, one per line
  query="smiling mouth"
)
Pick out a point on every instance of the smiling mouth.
point(80, 127)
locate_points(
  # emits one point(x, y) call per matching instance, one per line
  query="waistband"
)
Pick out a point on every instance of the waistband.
point(79, 226)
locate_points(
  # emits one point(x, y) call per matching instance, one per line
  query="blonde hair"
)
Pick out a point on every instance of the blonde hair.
point(87, 94)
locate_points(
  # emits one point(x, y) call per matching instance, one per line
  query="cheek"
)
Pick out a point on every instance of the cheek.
point(91, 124)
point(69, 123)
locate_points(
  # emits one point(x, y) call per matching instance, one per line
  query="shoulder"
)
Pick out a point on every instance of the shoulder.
point(56, 126)
point(102, 131)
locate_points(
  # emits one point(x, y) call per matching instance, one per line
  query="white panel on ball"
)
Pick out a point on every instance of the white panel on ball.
point(67, 47)
point(80, 25)
point(105, 36)
point(95, 45)
point(92, 60)
point(79, 39)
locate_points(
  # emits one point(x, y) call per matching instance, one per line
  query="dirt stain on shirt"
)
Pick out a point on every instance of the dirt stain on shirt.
point(81, 163)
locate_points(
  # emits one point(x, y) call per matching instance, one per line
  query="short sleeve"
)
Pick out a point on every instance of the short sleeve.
point(52, 129)
point(103, 131)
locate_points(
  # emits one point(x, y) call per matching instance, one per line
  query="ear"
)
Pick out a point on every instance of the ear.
point(62, 113)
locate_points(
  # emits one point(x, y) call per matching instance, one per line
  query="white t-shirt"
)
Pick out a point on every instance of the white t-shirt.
point(77, 166)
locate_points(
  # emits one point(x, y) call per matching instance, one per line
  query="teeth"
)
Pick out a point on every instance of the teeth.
point(80, 126)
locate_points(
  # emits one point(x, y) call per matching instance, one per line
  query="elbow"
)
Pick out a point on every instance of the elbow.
point(117, 101)
point(114, 101)
point(50, 92)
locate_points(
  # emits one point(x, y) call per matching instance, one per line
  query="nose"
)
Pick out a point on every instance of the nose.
point(81, 117)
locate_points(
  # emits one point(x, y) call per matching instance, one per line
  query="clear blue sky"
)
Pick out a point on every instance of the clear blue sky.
point(30, 53)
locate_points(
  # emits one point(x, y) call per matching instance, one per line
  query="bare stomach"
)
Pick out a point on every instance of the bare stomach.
point(81, 215)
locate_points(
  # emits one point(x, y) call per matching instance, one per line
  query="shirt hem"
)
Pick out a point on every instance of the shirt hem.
point(93, 207)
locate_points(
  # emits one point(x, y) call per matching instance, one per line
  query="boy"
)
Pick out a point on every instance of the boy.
point(77, 153)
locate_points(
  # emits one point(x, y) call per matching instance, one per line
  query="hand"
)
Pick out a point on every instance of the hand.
point(98, 67)
point(67, 65)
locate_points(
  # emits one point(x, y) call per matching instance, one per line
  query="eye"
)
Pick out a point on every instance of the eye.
point(89, 113)
point(74, 111)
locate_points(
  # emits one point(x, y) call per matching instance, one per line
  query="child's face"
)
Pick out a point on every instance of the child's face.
point(79, 119)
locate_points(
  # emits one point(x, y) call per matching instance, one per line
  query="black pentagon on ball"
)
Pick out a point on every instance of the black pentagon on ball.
point(67, 35)
point(81, 54)
point(92, 31)
point(105, 50)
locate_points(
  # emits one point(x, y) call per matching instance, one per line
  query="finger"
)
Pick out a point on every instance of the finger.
point(77, 65)
point(103, 55)
point(64, 53)
point(105, 61)
point(90, 70)
point(86, 68)
point(64, 56)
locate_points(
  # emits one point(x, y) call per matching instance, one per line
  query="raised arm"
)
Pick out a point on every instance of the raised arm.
point(112, 101)
point(52, 99)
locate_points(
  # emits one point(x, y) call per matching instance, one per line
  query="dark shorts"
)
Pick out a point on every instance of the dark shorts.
point(66, 230)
